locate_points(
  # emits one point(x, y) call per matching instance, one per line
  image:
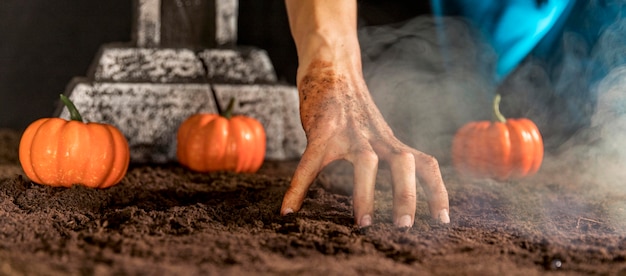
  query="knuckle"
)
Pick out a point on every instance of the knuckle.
point(367, 157)
point(406, 197)
point(404, 157)
point(429, 162)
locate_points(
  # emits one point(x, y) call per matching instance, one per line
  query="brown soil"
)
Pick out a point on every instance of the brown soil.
point(165, 220)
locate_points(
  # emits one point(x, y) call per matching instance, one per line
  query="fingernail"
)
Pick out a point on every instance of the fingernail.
point(287, 211)
point(443, 216)
point(365, 221)
point(404, 221)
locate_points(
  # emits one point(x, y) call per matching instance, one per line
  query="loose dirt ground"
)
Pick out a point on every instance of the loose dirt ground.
point(166, 220)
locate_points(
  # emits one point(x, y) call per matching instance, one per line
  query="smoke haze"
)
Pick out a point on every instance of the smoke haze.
point(428, 79)
point(429, 76)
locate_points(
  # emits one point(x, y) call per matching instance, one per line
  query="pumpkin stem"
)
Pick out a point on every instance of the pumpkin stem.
point(74, 114)
point(228, 113)
point(497, 116)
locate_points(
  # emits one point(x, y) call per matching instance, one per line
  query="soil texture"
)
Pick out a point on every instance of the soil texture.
point(166, 220)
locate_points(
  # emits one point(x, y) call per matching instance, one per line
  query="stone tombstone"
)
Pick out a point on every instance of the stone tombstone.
point(185, 23)
point(184, 60)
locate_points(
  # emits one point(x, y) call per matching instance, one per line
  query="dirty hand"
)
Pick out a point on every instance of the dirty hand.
point(341, 120)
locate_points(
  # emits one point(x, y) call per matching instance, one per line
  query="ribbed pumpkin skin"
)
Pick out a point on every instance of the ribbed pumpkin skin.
point(58, 152)
point(497, 150)
point(210, 142)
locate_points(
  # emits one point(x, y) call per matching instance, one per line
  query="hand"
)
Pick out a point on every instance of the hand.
point(341, 121)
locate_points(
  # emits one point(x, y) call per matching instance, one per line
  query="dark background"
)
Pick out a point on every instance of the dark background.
point(44, 44)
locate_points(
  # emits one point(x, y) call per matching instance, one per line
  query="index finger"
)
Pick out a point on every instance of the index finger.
point(309, 167)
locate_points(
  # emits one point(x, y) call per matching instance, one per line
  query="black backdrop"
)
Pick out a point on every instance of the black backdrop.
point(44, 44)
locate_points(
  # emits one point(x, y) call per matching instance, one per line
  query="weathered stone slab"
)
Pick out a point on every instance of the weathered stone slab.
point(120, 64)
point(226, 15)
point(203, 23)
point(147, 114)
point(246, 65)
point(242, 65)
point(149, 88)
point(184, 23)
point(277, 108)
point(147, 23)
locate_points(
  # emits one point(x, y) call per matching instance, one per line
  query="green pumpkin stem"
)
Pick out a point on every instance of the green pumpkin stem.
point(497, 116)
point(74, 114)
point(228, 113)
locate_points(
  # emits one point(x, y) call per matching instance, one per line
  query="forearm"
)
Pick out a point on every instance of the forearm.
point(325, 30)
point(341, 121)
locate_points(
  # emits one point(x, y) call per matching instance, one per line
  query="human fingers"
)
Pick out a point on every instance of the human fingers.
point(309, 167)
point(427, 168)
point(365, 168)
point(402, 166)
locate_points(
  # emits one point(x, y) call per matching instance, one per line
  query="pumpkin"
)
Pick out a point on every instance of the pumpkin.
point(57, 152)
point(208, 142)
point(500, 149)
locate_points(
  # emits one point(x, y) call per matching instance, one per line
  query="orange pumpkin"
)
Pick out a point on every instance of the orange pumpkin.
point(57, 152)
point(210, 142)
point(502, 149)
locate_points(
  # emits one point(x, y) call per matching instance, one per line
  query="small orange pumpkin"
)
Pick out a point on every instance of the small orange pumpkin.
point(57, 152)
point(503, 149)
point(210, 142)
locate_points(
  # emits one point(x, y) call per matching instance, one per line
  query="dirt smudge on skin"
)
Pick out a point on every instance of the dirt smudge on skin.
point(322, 92)
point(339, 102)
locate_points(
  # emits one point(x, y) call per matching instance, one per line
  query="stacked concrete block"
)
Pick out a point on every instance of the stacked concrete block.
point(247, 65)
point(147, 90)
point(147, 113)
point(120, 64)
point(147, 27)
point(181, 23)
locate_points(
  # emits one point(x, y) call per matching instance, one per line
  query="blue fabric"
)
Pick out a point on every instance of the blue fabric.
point(513, 27)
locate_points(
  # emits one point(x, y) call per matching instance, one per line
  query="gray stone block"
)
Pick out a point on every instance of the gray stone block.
point(242, 65)
point(148, 89)
point(245, 65)
point(226, 15)
point(175, 23)
point(147, 23)
point(120, 64)
point(277, 108)
point(149, 114)
point(200, 23)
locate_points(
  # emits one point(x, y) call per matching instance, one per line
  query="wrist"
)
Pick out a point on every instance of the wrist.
point(341, 53)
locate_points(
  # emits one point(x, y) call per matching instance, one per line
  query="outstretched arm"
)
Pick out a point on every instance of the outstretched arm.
point(341, 120)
